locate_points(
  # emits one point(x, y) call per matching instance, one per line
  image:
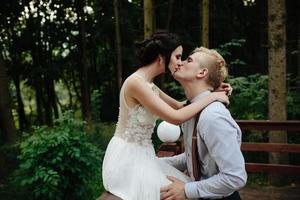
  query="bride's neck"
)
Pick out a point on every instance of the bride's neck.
point(149, 72)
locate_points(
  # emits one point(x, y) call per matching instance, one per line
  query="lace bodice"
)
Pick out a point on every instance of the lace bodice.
point(135, 124)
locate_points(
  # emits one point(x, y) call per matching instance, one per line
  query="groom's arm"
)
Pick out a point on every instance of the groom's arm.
point(220, 133)
point(178, 161)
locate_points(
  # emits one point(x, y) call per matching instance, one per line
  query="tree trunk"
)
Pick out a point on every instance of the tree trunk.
point(277, 78)
point(171, 2)
point(48, 102)
point(298, 69)
point(23, 123)
point(73, 84)
point(38, 61)
point(118, 45)
point(149, 26)
point(68, 85)
point(7, 126)
point(53, 99)
point(162, 77)
point(38, 80)
point(52, 94)
point(205, 23)
point(148, 18)
point(39, 101)
point(84, 65)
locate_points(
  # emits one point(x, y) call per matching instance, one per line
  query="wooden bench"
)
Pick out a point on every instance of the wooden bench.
point(171, 149)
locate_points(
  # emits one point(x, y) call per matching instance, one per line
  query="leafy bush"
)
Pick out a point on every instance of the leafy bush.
point(293, 98)
point(96, 104)
point(59, 162)
point(226, 51)
point(249, 99)
point(102, 133)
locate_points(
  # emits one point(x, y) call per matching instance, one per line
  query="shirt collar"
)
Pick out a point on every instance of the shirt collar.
point(200, 96)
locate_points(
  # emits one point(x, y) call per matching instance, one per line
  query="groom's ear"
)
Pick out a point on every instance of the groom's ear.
point(202, 73)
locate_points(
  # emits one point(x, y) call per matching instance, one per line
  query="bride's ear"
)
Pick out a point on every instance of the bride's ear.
point(161, 60)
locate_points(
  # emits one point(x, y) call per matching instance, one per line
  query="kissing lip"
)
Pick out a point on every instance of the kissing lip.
point(176, 70)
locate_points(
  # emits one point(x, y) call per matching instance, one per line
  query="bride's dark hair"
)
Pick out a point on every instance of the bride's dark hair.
point(161, 42)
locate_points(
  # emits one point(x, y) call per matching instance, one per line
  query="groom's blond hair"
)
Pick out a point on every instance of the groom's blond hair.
point(217, 70)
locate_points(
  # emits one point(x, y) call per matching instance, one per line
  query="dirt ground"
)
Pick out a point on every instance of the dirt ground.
point(270, 193)
point(254, 193)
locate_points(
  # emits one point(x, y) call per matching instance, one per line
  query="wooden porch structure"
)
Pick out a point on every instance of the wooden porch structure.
point(262, 193)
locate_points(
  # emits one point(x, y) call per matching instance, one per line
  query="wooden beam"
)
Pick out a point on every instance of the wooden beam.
point(271, 147)
point(266, 125)
point(285, 169)
point(168, 146)
point(165, 154)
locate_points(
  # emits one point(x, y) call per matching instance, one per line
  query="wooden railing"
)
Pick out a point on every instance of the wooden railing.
point(170, 149)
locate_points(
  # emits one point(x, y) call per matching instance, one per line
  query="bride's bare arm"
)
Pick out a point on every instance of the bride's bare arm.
point(170, 101)
point(225, 87)
point(137, 90)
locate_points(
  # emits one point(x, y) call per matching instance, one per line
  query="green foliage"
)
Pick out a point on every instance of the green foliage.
point(226, 51)
point(293, 102)
point(102, 133)
point(176, 90)
point(250, 97)
point(155, 140)
point(59, 162)
point(96, 103)
point(293, 99)
point(255, 179)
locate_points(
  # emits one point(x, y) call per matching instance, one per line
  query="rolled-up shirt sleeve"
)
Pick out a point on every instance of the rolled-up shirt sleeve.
point(178, 161)
point(221, 138)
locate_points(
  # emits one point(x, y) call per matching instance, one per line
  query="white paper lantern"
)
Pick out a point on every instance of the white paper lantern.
point(167, 132)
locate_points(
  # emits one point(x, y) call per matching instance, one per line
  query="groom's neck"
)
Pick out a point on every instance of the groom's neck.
point(192, 90)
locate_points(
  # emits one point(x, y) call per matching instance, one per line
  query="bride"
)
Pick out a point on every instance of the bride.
point(131, 169)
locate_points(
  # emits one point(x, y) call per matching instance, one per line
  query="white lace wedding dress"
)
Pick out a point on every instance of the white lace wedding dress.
point(131, 169)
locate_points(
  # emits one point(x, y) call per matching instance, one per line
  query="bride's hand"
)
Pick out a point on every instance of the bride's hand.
point(225, 87)
point(221, 96)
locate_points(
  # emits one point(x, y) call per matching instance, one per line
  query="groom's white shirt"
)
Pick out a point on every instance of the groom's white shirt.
point(221, 161)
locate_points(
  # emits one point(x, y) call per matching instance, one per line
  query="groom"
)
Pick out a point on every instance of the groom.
point(221, 163)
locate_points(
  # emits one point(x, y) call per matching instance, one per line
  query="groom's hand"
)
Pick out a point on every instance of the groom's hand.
point(174, 191)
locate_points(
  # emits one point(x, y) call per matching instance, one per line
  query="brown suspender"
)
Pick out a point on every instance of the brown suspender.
point(195, 155)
